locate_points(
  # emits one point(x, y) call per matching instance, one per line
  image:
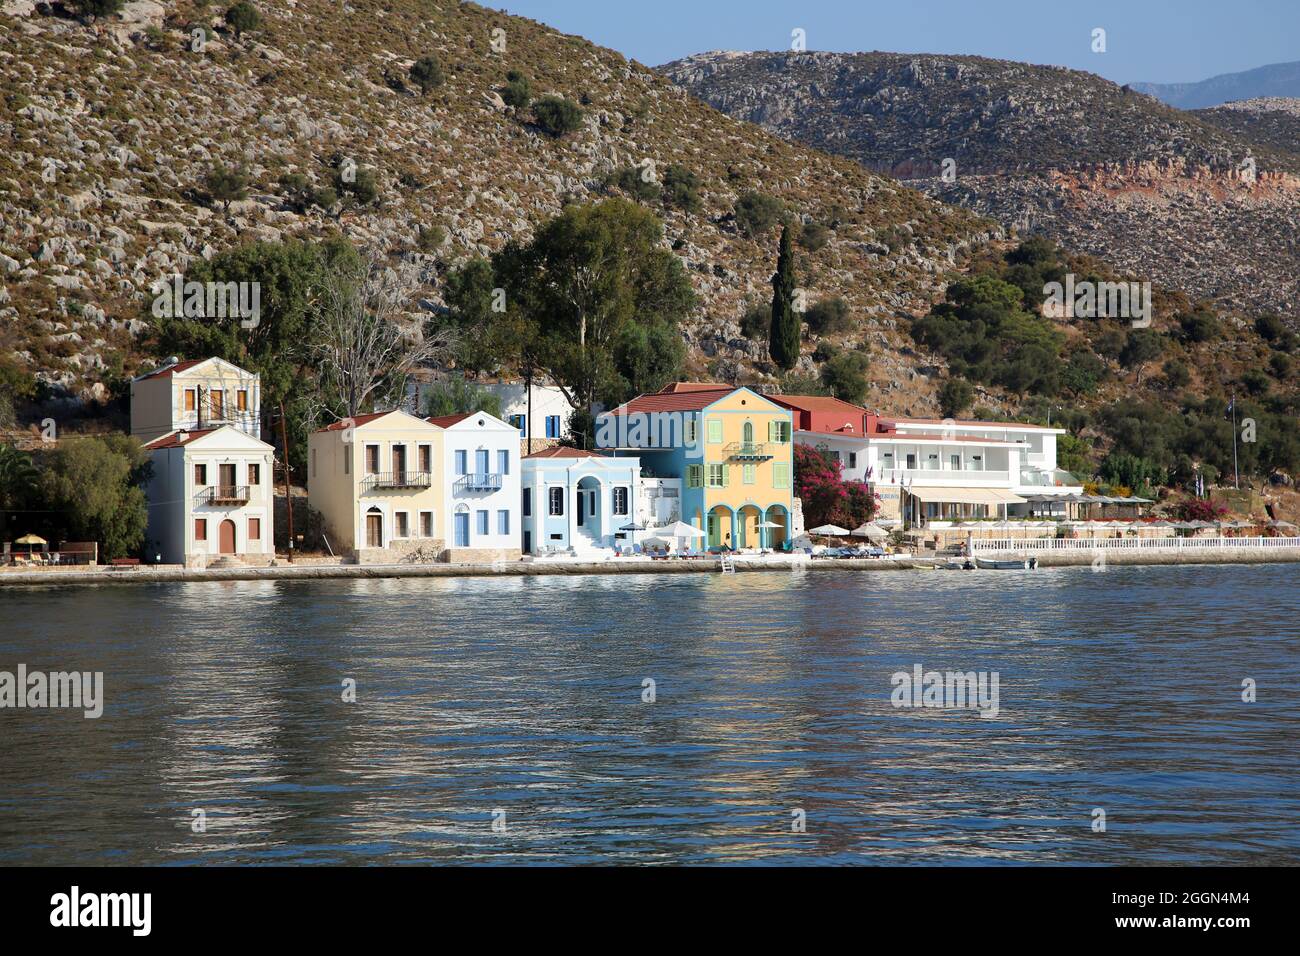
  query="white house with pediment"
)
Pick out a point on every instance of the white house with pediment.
point(210, 497)
point(193, 395)
point(481, 487)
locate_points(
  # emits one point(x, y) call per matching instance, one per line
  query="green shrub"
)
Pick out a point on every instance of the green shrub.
point(557, 116)
point(845, 376)
point(755, 322)
point(426, 73)
point(681, 188)
point(828, 316)
point(94, 9)
point(813, 236)
point(633, 181)
point(518, 91)
point(756, 213)
point(243, 17)
point(955, 397)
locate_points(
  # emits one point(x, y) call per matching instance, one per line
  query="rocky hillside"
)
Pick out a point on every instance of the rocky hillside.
point(1274, 80)
point(1202, 206)
point(1271, 121)
point(111, 129)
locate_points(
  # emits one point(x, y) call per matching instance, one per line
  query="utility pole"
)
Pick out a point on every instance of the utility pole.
point(288, 496)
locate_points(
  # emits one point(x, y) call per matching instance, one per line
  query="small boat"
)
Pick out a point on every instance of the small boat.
point(1009, 564)
point(957, 564)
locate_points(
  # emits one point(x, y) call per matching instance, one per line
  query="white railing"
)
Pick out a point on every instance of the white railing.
point(1127, 544)
point(956, 476)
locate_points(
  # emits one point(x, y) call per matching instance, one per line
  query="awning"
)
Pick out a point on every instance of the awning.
point(966, 496)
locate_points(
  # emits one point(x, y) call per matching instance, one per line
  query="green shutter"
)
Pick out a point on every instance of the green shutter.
point(772, 431)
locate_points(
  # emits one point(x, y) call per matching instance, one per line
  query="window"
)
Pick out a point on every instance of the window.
point(714, 426)
point(556, 497)
point(853, 459)
point(254, 474)
point(241, 399)
point(503, 462)
point(552, 426)
point(426, 458)
point(217, 399)
point(620, 501)
point(911, 462)
point(254, 529)
point(481, 460)
point(691, 432)
point(372, 459)
point(400, 525)
point(717, 476)
point(779, 432)
point(977, 462)
point(482, 522)
point(526, 507)
point(750, 473)
point(748, 433)
point(520, 422)
point(426, 524)
point(313, 462)
point(887, 460)
point(780, 474)
point(347, 459)
point(694, 476)
point(200, 474)
point(189, 400)
point(200, 529)
point(461, 458)
point(954, 461)
point(503, 521)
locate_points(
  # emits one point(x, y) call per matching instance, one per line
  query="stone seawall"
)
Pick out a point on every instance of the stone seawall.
point(147, 575)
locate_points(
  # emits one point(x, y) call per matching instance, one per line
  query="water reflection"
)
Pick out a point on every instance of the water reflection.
point(1119, 690)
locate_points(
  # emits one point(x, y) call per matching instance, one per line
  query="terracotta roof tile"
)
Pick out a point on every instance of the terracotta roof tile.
point(564, 451)
point(170, 370)
point(353, 422)
point(446, 421)
point(178, 438)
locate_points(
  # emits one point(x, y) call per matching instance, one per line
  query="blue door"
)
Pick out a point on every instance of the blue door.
point(462, 529)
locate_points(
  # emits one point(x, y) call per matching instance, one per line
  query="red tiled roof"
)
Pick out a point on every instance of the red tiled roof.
point(446, 421)
point(171, 369)
point(675, 387)
point(178, 438)
point(564, 451)
point(819, 403)
point(353, 422)
point(688, 401)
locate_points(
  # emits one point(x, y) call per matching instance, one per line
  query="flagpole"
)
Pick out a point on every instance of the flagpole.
point(1236, 474)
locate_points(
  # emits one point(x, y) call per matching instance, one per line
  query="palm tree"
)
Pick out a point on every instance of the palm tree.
point(18, 478)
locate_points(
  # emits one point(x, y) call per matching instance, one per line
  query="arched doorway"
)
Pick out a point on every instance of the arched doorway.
point(776, 537)
point(226, 537)
point(749, 433)
point(588, 508)
point(719, 530)
point(748, 534)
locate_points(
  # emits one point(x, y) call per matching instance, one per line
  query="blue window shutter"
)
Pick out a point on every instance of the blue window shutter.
point(460, 461)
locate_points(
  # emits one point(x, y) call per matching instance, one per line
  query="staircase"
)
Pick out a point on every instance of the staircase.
point(586, 545)
point(726, 564)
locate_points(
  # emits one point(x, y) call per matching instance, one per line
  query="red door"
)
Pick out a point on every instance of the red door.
point(227, 537)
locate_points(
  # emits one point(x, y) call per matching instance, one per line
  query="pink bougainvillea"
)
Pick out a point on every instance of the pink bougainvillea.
point(827, 497)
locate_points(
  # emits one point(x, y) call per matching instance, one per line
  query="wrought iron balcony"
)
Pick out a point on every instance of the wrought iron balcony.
point(748, 451)
point(481, 481)
point(398, 479)
point(225, 495)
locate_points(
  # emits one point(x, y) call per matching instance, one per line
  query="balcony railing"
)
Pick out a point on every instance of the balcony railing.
point(481, 481)
point(951, 476)
point(748, 451)
point(398, 479)
point(225, 495)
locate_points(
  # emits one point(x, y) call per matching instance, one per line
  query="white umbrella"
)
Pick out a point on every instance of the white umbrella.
point(829, 529)
point(869, 531)
point(680, 529)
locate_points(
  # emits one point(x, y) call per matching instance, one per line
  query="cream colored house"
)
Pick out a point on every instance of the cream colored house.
point(195, 394)
point(377, 481)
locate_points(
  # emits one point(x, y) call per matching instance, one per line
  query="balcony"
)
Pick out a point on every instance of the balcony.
point(747, 451)
point(481, 481)
point(397, 480)
point(943, 476)
point(226, 495)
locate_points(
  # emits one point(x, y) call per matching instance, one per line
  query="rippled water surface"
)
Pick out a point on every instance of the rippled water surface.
point(1119, 690)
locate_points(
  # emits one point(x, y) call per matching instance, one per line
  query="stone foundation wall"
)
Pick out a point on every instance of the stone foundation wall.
point(480, 555)
point(410, 551)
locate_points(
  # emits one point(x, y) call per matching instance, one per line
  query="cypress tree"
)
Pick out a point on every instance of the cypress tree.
point(783, 336)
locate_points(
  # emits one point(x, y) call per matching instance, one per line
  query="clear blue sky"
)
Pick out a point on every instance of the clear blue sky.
point(1162, 41)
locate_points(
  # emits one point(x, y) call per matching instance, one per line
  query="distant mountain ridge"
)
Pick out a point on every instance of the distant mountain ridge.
point(1195, 202)
point(1274, 80)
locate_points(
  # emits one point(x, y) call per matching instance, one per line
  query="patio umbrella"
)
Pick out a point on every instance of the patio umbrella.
point(632, 527)
point(1281, 524)
point(31, 539)
point(829, 529)
point(869, 531)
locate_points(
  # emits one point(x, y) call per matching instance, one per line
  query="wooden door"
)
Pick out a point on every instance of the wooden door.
point(374, 531)
point(226, 544)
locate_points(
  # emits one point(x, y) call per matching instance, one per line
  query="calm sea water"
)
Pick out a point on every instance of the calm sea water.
point(1119, 690)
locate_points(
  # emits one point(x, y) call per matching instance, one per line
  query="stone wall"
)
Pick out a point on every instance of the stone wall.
point(480, 555)
point(411, 551)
